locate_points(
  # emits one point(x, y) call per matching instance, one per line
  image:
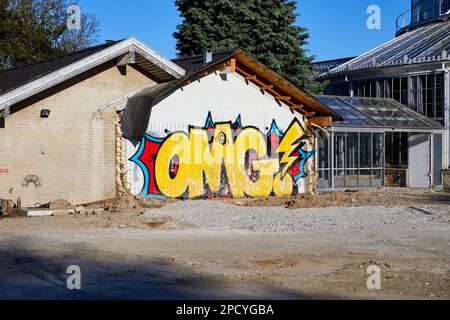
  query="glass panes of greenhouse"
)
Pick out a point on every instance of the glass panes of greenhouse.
point(384, 112)
point(421, 93)
point(324, 162)
point(357, 160)
point(350, 115)
point(375, 112)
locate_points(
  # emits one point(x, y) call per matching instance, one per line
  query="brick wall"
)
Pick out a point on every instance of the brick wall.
point(73, 152)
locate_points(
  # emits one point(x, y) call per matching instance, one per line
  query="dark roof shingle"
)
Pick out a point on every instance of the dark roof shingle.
point(193, 64)
point(16, 77)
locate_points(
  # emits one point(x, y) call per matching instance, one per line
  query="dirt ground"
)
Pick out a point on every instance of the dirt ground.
point(305, 247)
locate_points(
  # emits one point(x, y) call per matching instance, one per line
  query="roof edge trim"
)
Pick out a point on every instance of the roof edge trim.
point(92, 61)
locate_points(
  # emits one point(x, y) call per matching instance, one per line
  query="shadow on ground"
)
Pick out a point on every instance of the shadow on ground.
point(41, 275)
point(434, 198)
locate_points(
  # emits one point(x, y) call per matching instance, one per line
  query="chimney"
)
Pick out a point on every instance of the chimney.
point(207, 56)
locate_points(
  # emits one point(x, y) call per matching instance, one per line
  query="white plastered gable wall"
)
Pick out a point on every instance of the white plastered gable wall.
point(226, 96)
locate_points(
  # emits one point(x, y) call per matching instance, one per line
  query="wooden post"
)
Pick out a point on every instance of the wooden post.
point(233, 65)
point(19, 203)
point(8, 207)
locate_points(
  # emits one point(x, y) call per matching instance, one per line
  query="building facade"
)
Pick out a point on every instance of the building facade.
point(119, 117)
point(232, 128)
point(411, 72)
point(54, 142)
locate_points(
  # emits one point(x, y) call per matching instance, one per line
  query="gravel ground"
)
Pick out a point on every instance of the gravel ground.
point(219, 216)
point(235, 250)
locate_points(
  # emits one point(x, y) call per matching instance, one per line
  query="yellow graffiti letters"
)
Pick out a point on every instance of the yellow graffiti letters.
point(176, 147)
point(186, 164)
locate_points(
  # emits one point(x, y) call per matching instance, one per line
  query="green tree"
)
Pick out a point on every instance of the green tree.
point(265, 28)
point(32, 30)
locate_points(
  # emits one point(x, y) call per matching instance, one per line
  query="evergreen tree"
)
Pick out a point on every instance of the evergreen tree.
point(32, 30)
point(264, 28)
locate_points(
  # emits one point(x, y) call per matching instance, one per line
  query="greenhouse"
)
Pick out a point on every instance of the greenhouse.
point(373, 145)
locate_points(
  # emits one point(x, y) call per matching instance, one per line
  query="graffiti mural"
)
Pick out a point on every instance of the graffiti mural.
point(223, 159)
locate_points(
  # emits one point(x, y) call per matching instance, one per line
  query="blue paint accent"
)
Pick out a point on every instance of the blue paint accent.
point(239, 122)
point(304, 156)
point(153, 196)
point(141, 165)
point(153, 139)
point(274, 128)
point(209, 121)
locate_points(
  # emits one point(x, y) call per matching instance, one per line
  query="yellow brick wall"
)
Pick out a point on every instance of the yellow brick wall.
point(74, 151)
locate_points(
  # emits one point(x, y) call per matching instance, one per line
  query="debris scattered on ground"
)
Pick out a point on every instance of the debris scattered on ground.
point(351, 198)
point(60, 205)
point(213, 215)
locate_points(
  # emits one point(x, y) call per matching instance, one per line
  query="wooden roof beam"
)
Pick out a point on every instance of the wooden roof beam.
point(308, 114)
point(262, 85)
point(297, 107)
point(267, 87)
point(283, 98)
point(321, 121)
point(287, 99)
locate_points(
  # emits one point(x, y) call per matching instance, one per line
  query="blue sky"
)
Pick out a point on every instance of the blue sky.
point(337, 27)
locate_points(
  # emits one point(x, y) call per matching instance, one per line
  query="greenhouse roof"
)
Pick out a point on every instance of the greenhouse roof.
point(430, 43)
point(376, 112)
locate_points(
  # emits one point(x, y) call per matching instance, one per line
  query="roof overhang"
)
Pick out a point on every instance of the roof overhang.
point(121, 49)
point(240, 62)
point(269, 81)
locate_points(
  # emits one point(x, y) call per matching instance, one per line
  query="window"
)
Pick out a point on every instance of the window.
point(352, 158)
point(338, 89)
point(397, 149)
point(422, 93)
point(414, 94)
point(2, 122)
point(439, 92)
point(339, 160)
point(358, 159)
point(429, 101)
point(367, 89)
point(387, 88)
point(396, 89)
point(324, 162)
point(380, 89)
point(404, 91)
point(365, 150)
point(426, 96)
point(358, 89)
point(339, 150)
point(373, 89)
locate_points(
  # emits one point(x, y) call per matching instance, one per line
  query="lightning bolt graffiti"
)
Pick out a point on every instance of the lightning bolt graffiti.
point(289, 145)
